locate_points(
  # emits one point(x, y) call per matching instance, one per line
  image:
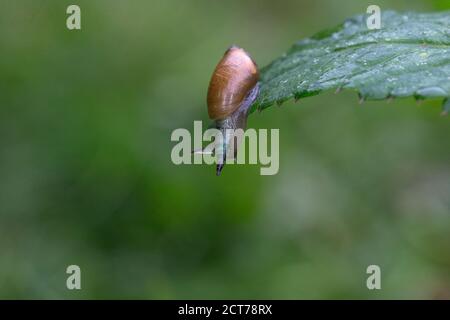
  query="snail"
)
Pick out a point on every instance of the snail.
point(232, 90)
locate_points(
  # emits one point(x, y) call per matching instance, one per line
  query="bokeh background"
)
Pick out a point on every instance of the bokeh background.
point(86, 176)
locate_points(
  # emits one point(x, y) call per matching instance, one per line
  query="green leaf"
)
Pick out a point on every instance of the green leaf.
point(408, 56)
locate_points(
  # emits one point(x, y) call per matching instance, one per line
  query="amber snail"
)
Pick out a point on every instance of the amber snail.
point(232, 90)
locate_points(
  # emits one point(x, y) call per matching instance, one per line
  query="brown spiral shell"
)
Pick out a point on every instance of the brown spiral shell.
point(235, 75)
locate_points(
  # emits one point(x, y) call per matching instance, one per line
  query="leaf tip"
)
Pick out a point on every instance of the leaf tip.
point(445, 107)
point(361, 99)
point(419, 100)
point(390, 99)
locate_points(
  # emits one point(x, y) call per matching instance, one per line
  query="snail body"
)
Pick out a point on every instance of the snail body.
point(232, 90)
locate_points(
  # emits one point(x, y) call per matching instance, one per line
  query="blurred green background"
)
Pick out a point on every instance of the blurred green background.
point(86, 176)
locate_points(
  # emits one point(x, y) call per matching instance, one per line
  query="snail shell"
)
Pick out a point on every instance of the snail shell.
point(235, 75)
